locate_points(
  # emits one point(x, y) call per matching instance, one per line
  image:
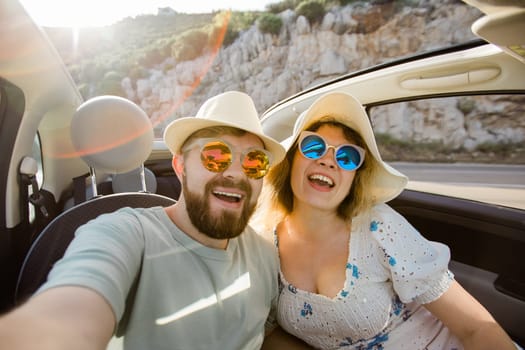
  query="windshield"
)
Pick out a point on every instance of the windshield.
point(169, 59)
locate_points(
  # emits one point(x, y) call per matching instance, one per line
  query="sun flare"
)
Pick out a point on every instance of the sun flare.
point(76, 13)
point(96, 13)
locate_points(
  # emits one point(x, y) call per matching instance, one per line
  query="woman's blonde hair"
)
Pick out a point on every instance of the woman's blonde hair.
point(277, 199)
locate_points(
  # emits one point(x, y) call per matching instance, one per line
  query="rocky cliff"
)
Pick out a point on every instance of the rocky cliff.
point(350, 38)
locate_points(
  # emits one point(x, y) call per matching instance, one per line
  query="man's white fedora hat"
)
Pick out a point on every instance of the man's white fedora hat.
point(233, 108)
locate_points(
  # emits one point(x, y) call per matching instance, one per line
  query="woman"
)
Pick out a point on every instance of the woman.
point(354, 273)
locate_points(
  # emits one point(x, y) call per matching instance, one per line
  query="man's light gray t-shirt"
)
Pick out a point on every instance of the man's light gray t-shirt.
point(188, 296)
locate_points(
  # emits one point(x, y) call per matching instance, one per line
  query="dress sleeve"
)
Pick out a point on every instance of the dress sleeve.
point(418, 267)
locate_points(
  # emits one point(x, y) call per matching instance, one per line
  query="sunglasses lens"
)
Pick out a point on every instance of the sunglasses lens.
point(348, 158)
point(216, 156)
point(256, 164)
point(313, 147)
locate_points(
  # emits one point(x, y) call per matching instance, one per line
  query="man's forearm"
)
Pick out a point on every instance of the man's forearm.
point(59, 318)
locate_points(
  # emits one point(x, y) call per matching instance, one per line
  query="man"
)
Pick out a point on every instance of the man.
point(196, 275)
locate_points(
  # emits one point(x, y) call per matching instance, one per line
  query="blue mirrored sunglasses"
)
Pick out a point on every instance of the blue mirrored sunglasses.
point(313, 146)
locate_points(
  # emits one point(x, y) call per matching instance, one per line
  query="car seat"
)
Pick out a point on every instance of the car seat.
point(112, 135)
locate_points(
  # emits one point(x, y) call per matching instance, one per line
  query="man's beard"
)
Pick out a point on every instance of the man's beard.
point(222, 225)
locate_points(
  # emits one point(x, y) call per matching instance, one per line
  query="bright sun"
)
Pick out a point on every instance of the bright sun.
point(88, 13)
point(75, 13)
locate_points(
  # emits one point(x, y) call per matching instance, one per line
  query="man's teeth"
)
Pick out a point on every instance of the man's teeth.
point(227, 194)
point(322, 178)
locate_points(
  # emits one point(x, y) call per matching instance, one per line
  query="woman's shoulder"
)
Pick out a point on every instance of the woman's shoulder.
point(384, 209)
point(390, 229)
point(381, 214)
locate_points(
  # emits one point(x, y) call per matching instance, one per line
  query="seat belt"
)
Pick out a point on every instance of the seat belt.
point(42, 200)
point(28, 170)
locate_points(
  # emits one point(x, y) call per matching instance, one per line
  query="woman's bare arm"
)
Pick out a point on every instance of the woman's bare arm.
point(469, 320)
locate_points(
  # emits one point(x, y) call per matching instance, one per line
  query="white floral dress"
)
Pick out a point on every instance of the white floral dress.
point(391, 270)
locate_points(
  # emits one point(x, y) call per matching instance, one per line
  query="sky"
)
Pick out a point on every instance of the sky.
point(82, 13)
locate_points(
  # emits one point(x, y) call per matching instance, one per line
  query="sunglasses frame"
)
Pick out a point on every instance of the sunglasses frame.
point(304, 134)
point(203, 142)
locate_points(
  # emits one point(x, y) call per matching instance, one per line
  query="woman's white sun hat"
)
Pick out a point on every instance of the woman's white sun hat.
point(233, 108)
point(387, 182)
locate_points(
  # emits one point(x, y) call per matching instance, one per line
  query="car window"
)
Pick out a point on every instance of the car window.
point(469, 147)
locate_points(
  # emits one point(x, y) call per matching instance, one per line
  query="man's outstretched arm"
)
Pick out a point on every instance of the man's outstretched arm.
point(59, 318)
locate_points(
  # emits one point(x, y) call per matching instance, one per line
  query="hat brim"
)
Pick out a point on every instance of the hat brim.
point(387, 182)
point(180, 129)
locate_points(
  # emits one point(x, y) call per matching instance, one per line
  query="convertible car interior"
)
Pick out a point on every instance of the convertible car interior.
point(66, 160)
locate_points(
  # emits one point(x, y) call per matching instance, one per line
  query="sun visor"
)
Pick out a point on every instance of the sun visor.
point(505, 29)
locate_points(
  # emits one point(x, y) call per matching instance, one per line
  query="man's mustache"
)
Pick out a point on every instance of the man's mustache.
point(222, 181)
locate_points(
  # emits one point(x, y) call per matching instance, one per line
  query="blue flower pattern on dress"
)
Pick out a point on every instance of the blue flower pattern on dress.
point(307, 310)
point(374, 226)
point(375, 344)
point(397, 306)
point(392, 261)
point(355, 270)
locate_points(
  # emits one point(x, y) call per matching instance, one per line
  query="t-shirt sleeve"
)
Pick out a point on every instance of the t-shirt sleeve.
point(418, 267)
point(271, 259)
point(105, 256)
point(271, 321)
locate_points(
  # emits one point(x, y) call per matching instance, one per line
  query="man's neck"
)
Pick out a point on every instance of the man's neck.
point(179, 215)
